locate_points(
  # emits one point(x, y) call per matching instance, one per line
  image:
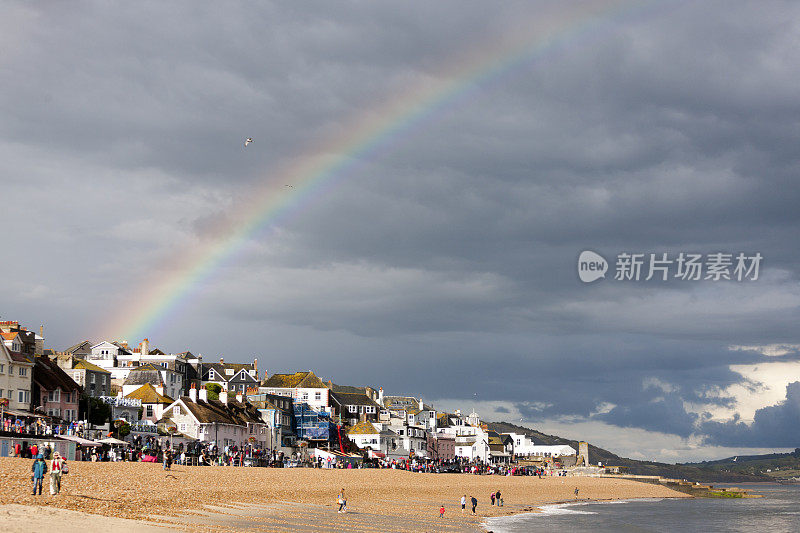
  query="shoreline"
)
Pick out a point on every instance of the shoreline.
point(242, 498)
point(540, 509)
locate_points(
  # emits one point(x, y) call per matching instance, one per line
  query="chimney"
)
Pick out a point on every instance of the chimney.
point(123, 343)
point(255, 366)
point(223, 397)
point(203, 394)
point(221, 361)
point(380, 396)
point(421, 405)
point(193, 393)
point(239, 397)
point(41, 331)
point(160, 389)
point(145, 347)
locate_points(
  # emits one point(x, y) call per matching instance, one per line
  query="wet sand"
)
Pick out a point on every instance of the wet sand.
point(298, 499)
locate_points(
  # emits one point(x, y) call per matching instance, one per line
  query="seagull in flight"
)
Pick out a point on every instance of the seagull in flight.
point(248, 141)
point(735, 458)
point(289, 186)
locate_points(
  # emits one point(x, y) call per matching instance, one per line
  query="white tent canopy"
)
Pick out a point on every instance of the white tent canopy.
point(112, 440)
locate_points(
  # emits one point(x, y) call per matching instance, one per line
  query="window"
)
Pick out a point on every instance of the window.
point(305, 397)
point(103, 380)
point(22, 370)
point(54, 395)
point(318, 396)
point(352, 408)
point(211, 375)
point(370, 409)
point(24, 396)
point(1, 393)
point(149, 411)
point(91, 378)
point(1, 368)
point(228, 371)
point(177, 410)
point(182, 427)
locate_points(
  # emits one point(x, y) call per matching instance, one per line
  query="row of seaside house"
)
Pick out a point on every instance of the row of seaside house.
point(175, 393)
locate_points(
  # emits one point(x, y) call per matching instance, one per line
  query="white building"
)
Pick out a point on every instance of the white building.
point(524, 446)
point(302, 387)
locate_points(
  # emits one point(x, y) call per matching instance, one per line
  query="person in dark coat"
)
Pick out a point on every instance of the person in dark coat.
point(39, 469)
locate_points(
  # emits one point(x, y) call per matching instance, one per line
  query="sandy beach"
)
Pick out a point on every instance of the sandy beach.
point(262, 499)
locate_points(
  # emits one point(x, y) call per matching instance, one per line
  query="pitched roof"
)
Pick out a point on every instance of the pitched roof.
point(409, 404)
point(148, 394)
point(348, 388)
point(9, 336)
point(20, 357)
point(148, 373)
point(50, 376)
point(86, 365)
point(363, 428)
point(220, 370)
point(353, 398)
point(304, 380)
point(216, 411)
point(84, 347)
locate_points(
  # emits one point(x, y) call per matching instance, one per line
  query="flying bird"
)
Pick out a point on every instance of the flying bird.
point(248, 141)
point(290, 186)
point(735, 458)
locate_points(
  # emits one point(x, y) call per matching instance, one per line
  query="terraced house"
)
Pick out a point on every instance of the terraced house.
point(232, 377)
point(225, 422)
point(54, 391)
point(16, 372)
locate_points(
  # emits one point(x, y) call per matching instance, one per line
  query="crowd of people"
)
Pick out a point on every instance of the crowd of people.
point(40, 426)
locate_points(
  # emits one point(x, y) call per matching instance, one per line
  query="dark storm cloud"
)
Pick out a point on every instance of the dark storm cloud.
point(777, 425)
point(449, 254)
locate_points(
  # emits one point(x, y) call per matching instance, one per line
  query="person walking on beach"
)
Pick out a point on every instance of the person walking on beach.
point(463, 503)
point(441, 511)
point(39, 469)
point(499, 499)
point(342, 501)
point(474, 504)
point(576, 493)
point(492, 498)
point(55, 474)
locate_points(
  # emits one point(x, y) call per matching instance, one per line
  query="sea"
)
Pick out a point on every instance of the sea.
point(777, 511)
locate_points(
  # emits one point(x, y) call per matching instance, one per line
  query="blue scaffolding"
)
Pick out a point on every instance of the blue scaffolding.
point(310, 424)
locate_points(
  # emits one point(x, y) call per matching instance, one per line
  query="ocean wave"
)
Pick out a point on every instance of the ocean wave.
point(498, 523)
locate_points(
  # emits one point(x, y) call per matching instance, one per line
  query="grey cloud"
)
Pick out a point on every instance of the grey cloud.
point(446, 253)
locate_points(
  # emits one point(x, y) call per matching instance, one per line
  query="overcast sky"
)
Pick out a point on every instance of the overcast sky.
point(443, 262)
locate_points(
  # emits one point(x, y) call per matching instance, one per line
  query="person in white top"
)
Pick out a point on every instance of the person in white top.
point(55, 474)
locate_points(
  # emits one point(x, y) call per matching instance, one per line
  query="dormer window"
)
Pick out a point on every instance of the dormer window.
point(211, 375)
point(228, 371)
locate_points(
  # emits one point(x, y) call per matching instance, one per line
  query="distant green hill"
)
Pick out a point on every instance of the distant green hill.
point(718, 471)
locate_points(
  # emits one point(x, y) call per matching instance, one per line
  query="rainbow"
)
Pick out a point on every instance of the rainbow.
point(323, 164)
